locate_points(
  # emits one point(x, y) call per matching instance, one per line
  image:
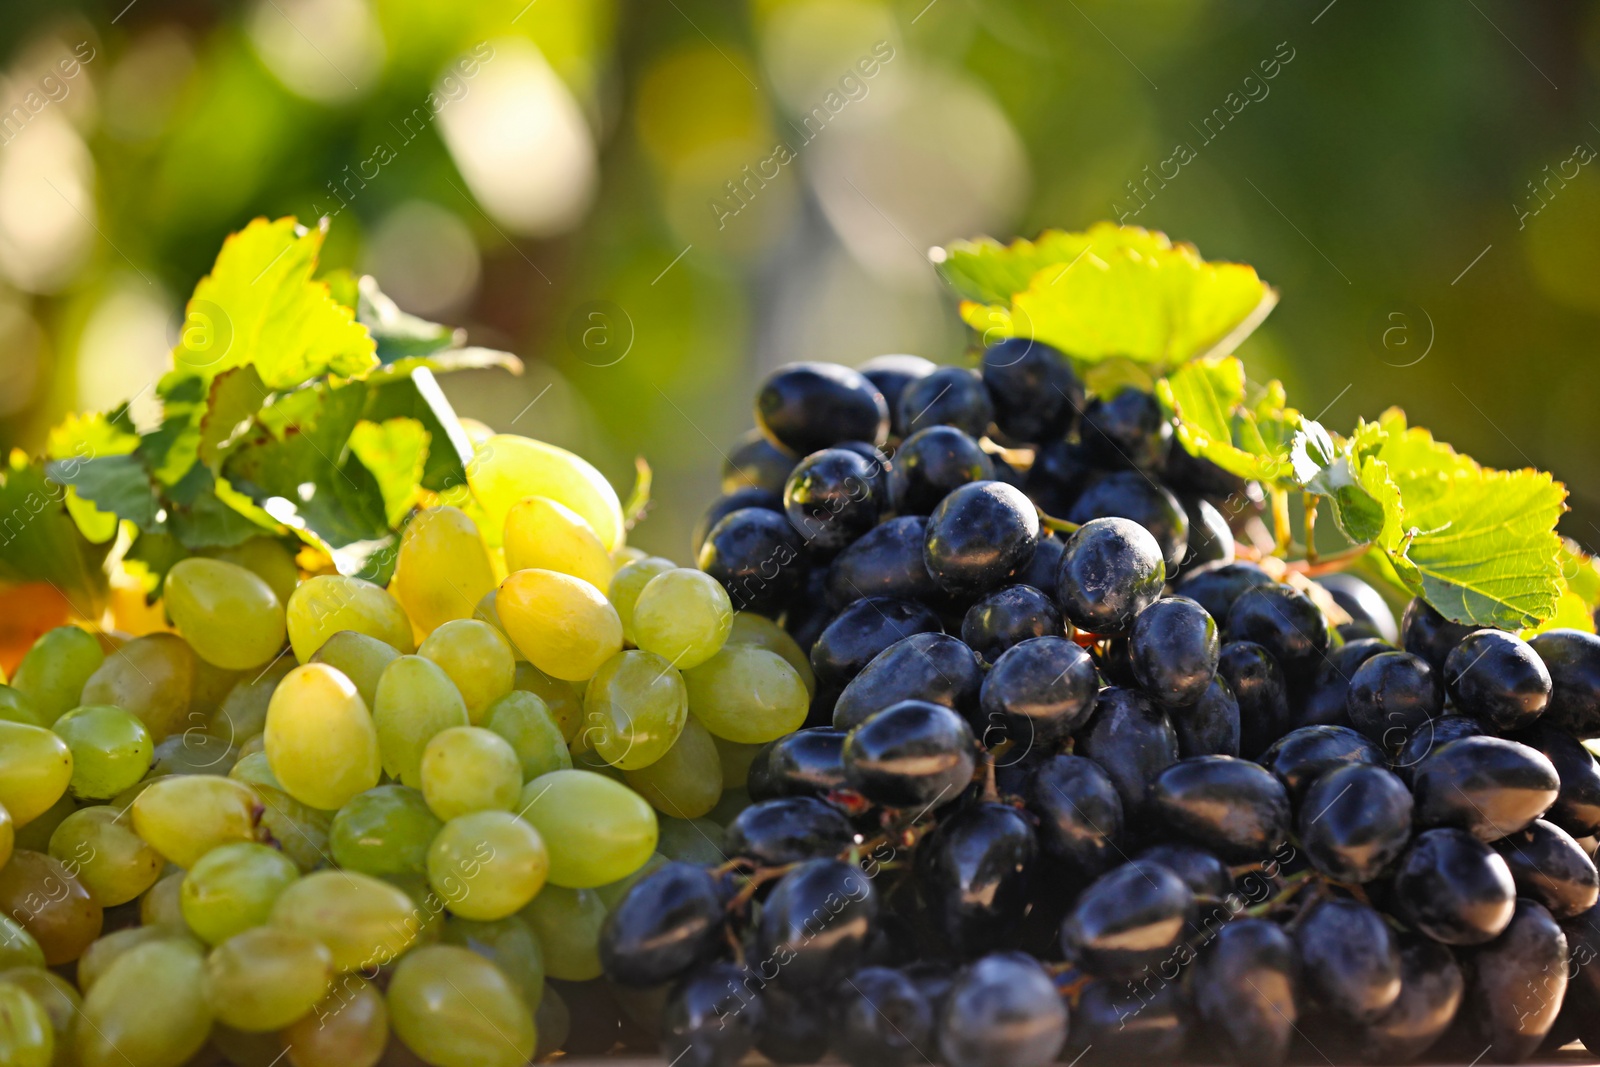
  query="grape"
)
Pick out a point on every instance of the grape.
point(442, 569)
point(671, 921)
point(230, 617)
point(804, 407)
point(755, 463)
point(628, 583)
point(242, 714)
point(1426, 633)
point(975, 871)
point(364, 922)
point(932, 666)
point(1430, 992)
point(564, 625)
point(881, 1018)
point(1548, 866)
point(1230, 806)
point(161, 907)
point(1079, 812)
point(564, 699)
point(35, 768)
point(735, 759)
point(946, 396)
point(1201, 871)
point(266, 978)
point(1262, 692)
point(454, 1008)
point(1577, 806)
point(1111, 570)
point(710, 1019)
point(46, 899)
point(415, 701)
point(910, 755)
point(1131, 495)
point(360, 658)
point(1008, 617)
point(185, 816)
point(886, 561)
point(1349, 959)
point(1244, 992)
point(18, 947)
point(793, 1028)
point(1127, 919)
point(1454, 888)
point(300, 831)
point(320, 740)
point(830, 499)
point(1126, 430)
point(807, 762)
point(978, 535)
point(890, 374)
point(1002, 1010)
point(690, 840)
point(1132, 740)
point(1432, 735)
point(1211, 727)
point(686, 781)
point(1517, 983)
point(553, 1021)
point(757, 556)
point(1284, 621)
point(124, 1023)
point(747, 694)
point(596, 830)
point(27, 1038)
point(325, 604)
point(683, 616)
point(15, 707)
point(508, 943)
point(1215, 587)
point(264, 557)
point(1037, 397)
point(150, 677)
point(1328, 701)
point(99, 847)
point(634, 710)
point(1355, 822)
point(1130, 1026)
point(8, 835)
point(818, 918)
point(384, 831)
point(193, 752)
point(864, 630)
point(212, 684)
point(1573, 659)
point(232, 888)
point(1392, 696)
point(1210, 537)
point(524, 720)
point(1059, 474)
point(567, 923)
point(787, 830)
point(932, 462)
point(1173, 650)
point(487, 864)
point(1037, 693)
point(467, 769)
point(347, 1028)
point(55, 669)
point(1488, 786)
point(60, 1001)
point(478, 660)
point(548, 535)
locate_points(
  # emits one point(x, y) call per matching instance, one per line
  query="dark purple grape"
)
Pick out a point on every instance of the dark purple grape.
point(1079, 813)
point(1036, 395)
point(1364, 604)
point(1259, 688)
point(1349, 959)
point(1355, 822)
point(1392, 696)
point(1286, 623)
point(974, 872)
point(1211, 726)
point(1111, 570)
point(1573, 660)
point(1230, 806)
point(1327, 702)
point(669, 922)
point(881, 467)
point(1059, 475)
point(1487, 786)
point(1583, 990)
point(1041, 571)
point(1577, 806)
point(1516, 984)
point(829, 499)
point(1426, 633)
point(1005, 472)
point(1115, 1023)
point(756, 463)
point(1301, 756)
point(934, 667)
point(863, 630)
point(1038, 693)
point(1210, 538)
point(949, 396)
point(1196, 474)
point(1132, 495)
point(979, 536)
point(805, 763)
point(1431, 986)
point(806, 407)
point(711, 1018)
point(788, 830)
point(882, 1019)
point(1126, 430)
point(1002, 1011)
point(1244, 992)
point(816, 922)
point(910, 755)
point(795, 1028)
point(1126, 920)
point(1008, 617)
point(932, 462)
point(724, 506)
point(884, 561)
point(758, 557)
point(1201, 871)
point(1436, 732)
point(1498, 679)
point(1454, 888)
point(1216, 586)
point(1173, 649)
point(1552, 868)
point(1133, 741)
point(807, 613)
point(891, 374)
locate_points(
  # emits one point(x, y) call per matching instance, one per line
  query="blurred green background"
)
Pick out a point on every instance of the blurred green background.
point(653, 203)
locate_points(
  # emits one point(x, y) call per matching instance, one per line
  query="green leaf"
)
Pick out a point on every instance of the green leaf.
point(118, 484)
point(198, 518)
point(1268, 442)
point(394, 451)
point(83, 437)
point(236, 395)
point(397, 333)
point(155, 553)
point(1581, 572)
point(39, 542)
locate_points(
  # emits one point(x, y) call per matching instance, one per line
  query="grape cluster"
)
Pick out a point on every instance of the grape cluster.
point(1087, 772)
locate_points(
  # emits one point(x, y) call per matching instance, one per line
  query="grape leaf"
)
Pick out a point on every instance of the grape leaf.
point(198, 518)
point(397, 333)
point(1269, 441)
point(236, 395)
point(1581, 572)
point(394, 451)
point(117, 484)
point(81, 437)
point(39, 542)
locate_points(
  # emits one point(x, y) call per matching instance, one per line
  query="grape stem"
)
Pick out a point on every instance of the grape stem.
point(1329, 564)
point(1309, 500)
point(1283, 534)
point(1292, 886)
point(1050, 522)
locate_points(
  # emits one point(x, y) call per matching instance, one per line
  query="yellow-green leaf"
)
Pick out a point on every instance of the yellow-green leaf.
point(394, 451)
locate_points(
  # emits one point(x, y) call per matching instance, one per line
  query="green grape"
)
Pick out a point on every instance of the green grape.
point(233, 888)
point(567, 922)
point(8, 835)
point(507, 468)
point(525, 722)
point(15, 706)
point(36, 834)
point(253, 746)
point(151, 677)
point(194, 752)
point(487, 865)
point(26, 1037)
point(548, 535)
point(111, 750)
point(467, 769)
point(735, 760)
point(267, 559)
point(596, 830)
point(322, 606)
point(428, 907)
point(564, 699)
point(161, 907)
point(611, 893)
point(478, 659)
point(384, 831)
point(628, 583)
point(299, 830)
point(244, 1048)
point(242, 715)
point(347, 1028)
point(747, 694)
point(35, 769)
point(454, 1008)
point(485, 611)
point(442, 568)
point(105, 951)
point(686, 782)
point(634, 709)
point(691, 841)
point(360, 658)
point(682, 615)
point(45, 897)
point(147, 1008)
point(509, 944)
point(18, 947)
point(255, 770)
point(553, 1021)
point(728, 808)
point(61, 1004)
point(363, 921)
point(185, 816)
point(54, 671)
point(99, 846)
point(210, 688)
point(415, 700)
point(320, 739)
point(752, 629)
point(266, 978)
point(563, 625)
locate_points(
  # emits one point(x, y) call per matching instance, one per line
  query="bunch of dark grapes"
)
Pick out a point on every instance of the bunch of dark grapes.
point(1082, 779)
